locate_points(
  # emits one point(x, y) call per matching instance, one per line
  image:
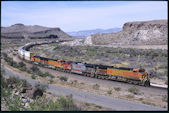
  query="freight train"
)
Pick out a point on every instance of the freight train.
point(129, 75)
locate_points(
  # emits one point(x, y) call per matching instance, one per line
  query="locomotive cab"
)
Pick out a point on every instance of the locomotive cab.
point(144, 77)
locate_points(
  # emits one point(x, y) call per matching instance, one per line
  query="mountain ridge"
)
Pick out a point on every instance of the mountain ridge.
point(22, 31)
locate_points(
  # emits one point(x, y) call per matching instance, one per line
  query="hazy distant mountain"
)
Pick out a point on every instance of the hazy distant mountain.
point(85, 33)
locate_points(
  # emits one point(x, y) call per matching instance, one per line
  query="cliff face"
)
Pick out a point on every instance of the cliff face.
point(21, 31)
point(136, 33)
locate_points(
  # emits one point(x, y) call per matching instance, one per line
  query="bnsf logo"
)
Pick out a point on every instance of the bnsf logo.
point(77, 66)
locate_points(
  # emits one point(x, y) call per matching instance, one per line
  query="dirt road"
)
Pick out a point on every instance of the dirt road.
point(105, 101)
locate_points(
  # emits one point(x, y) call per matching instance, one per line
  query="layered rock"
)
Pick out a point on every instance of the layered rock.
point(136, 33)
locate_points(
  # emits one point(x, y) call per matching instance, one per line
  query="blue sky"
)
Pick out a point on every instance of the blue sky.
point(81, 15)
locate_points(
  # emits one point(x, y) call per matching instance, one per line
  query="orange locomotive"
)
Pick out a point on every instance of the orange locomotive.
point(130, 75)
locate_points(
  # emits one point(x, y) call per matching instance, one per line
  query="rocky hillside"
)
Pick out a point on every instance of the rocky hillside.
point(21, 31)
point(134, 33)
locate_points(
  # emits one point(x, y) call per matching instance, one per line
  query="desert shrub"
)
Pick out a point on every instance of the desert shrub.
point(164, 98)
point(48, 74)
point(67, 103)
point(141, 99)
point(15, 104)
point(57, 47)
point(14, 64)
point(41, 74)
point(152, 73)
point(133, 90)
point(13, 80)
point(21, 64)
point(33, 77)
point(23, 68)
point(14, 54)
point(96, 86)
point(109, 91)
point(43, 104)
point(25, 83)
point(63, 78)
point(5, 92)
point(34, 68)
point(5, 55)
point(166, 82)
point(98, 106)
point(42, 87)
point(51, 81)
point(87, 104)
point(29, 71)
point(117, 88)
point(130, 96)
point(166, 72)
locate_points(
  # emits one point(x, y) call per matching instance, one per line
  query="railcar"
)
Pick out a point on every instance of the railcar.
point(78, 68)
point(67, 66)
point(90, 70)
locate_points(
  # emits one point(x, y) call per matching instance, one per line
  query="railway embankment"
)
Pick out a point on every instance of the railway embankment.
point(88, 97)
point(107, 88)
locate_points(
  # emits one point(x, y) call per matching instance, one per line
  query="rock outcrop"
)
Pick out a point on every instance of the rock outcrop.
point(20, 31)
point(135, 33)
point(88, 41)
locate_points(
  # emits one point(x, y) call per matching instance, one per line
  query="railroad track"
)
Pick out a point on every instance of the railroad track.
point(153, 85)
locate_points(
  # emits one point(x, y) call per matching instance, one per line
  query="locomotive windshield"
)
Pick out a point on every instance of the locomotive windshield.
point(141, 70)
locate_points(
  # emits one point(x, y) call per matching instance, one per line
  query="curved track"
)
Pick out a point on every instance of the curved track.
point(154, 86)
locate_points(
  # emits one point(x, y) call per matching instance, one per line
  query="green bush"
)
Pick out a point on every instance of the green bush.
point(25, 83)
point(164, 98)
point(166, 72)
point(67, 103)
point(133, 90)
point(166, 82)
point(51, 81)
point(48, 74)
point(130, 96)
point(21, 64)
point(98, 106)
point(96, 86)
point(57, 47)
point(117, 88)
point(42, 87)
point(63, 78)
point(41, 74)
point(15, 104)
point(5, 55)
point(109, 91)
point(33, 77)
point(62, 104)
point(43, 104)
point(23, 68)
point(34, 68)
